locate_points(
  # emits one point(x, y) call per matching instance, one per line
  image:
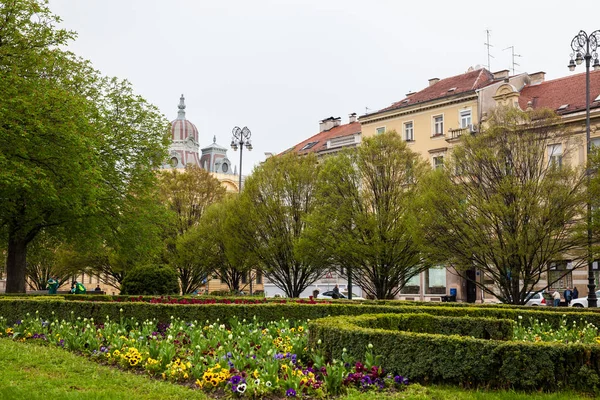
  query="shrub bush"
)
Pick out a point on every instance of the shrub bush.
point(150, 280)
point(463, 360)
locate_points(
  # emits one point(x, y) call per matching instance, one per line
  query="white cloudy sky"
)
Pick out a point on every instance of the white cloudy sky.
point(279, 67)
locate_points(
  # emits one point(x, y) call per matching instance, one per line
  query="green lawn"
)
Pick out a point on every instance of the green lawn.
point(35, 372)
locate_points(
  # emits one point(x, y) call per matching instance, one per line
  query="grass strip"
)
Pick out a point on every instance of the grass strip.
point(41, 372)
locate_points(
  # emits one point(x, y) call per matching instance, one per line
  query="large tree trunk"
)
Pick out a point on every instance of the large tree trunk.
point(16, 261)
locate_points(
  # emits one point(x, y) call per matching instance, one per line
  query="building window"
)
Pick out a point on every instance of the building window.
point(258, 277)
point(244, 278)
point(412, 286)
point(558, 277)
point(465, 119)
point(595, 143)
point(380, 130)
point(555, 155)
point(409, 134)
point(435, 280)
point(438, 162)
point(438, 125)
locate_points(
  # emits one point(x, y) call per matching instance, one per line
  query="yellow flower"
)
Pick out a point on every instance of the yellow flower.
point(255, 374)
point(9, 331)
point(300, 329)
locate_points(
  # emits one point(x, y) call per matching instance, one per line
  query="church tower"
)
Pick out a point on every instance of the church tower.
point(185, 146)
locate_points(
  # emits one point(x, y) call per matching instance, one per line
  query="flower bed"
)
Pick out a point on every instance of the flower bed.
point(464, 360)
point(242, 358)
point(541, 331)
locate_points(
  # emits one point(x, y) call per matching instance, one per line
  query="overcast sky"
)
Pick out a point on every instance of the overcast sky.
point(279, 67)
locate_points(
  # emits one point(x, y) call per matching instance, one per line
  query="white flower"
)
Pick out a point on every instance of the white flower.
point(370, 346)
point(319, 342)
point(268, 384)
point(257, 382)
point(230, 336)
point(241, 388)
point(344, 350)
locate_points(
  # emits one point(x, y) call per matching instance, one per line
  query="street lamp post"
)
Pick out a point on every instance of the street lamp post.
point(584, 48)
point(241, 138)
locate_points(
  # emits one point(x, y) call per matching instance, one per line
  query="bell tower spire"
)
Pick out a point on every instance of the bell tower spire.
point(181, 106)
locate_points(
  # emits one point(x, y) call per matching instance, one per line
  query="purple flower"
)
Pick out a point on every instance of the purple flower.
point(236, 379)
point(400, 380)
point(290, 393)
point(234, 388)
point(61, 343)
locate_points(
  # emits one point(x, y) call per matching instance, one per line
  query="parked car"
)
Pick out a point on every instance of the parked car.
point(582, 301)
point(535, 299)
point(329, 294)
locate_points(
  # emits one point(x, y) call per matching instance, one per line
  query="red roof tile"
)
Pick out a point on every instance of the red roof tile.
point(569, 91)
point(469, 81)
point(321, 138)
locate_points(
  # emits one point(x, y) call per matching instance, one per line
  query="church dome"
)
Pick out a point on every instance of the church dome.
point(181, 128)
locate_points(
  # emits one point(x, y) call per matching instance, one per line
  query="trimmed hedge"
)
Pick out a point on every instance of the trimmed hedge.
point(481, 328)
point(64, 308)
point(462, 360)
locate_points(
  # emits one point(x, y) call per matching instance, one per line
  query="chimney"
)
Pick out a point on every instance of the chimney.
point(503, 74)
point(352, 118)
point(329, 123)
point(433, 81)
point(537, 78)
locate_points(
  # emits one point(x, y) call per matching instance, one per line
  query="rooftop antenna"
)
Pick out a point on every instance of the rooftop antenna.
point(488, 45)
point(367, 110)
point(512, 50)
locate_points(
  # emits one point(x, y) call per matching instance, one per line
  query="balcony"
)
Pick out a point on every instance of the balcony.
point(455, 134)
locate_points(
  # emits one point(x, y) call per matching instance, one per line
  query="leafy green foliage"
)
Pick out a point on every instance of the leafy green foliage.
point(150, 279)
point(187, 195)
point(270, 219)
point(501, 207)
point(74, 146)
point(214, 246)
point(365, 219)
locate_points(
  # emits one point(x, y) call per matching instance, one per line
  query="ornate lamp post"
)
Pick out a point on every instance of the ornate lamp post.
point(584, 48)
point(241, 138)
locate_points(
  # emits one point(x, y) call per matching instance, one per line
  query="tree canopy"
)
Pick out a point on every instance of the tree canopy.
point(277, 198)
point(187, 195)
point(364, 224)
point(506, 205)
point(73, 143)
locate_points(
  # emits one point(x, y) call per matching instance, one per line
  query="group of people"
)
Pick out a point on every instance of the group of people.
point(568, 295)
point(76, 287)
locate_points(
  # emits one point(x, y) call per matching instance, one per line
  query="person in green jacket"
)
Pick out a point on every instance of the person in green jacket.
point(52, 285)
point(78, 288)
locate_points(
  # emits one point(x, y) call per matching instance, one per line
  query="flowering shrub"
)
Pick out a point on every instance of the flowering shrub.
point(242, 358)
point(542, 331)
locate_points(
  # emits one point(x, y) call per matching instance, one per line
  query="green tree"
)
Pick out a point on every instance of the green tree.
point(213, 247)
point(365, 220)
point(502, 206)
point(73, 144)
point(187, 195)
point(270, 219)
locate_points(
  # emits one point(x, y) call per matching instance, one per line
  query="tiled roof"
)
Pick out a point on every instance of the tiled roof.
point(318, 142)
point(558, 93)
point(469, 81)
